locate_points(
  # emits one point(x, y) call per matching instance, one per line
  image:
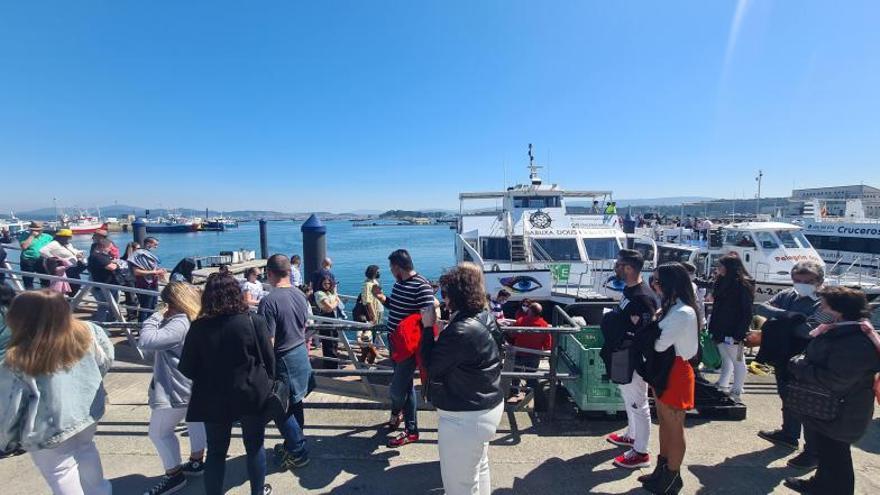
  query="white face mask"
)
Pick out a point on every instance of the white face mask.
point(805, 290)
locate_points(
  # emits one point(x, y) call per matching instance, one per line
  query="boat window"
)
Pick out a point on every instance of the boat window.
point(738, 238)
point(555, 249)
point(766, 240)
point(671, 254)
point(537, 202)
point(793, 239)
point(602, 248)
point(646, 249)
point(495, 248)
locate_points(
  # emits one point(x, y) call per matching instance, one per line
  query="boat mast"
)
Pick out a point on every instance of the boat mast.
point(758, 205)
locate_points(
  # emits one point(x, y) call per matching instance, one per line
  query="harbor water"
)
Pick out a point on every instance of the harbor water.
point(350, 248)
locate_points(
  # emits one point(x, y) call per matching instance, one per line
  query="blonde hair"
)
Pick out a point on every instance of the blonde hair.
point(45, 336)
point(184, 298)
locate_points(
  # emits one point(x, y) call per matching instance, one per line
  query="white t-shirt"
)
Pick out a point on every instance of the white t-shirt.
point(255, 289)
point(679, 328)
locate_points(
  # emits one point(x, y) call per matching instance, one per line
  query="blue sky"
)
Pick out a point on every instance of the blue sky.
point(348, 105)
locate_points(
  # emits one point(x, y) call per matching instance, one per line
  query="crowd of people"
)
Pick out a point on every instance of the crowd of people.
point(234, 353)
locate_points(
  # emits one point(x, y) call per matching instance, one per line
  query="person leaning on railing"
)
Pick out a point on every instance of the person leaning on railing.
point(464, 382)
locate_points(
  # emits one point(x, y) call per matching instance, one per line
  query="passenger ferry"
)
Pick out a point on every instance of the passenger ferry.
point(536, 246)
point(847, 244)
point(769, 251)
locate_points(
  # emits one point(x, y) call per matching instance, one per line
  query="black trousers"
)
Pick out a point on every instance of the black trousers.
point(835, 472)
point(35, 266)
point(329, 349)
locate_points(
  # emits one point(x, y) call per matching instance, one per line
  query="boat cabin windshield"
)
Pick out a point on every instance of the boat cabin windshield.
point(537, 201)
point(557, 249)
point(604, 248)
point(793, 239)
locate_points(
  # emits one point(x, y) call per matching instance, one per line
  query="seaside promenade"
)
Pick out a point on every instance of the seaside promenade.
point(529, 456)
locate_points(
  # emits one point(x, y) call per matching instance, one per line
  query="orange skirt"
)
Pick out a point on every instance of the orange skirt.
point(679, 393)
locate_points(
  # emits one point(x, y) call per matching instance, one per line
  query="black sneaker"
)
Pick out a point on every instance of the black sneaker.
point(805, 460)
point(799, 485)
point(267, 489)
point(193, 467)
point(290, 461)
point(779, 438)
point(168, 484)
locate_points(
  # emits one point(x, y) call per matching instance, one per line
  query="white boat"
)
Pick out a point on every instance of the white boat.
point(850, 243)
point(532, 243)
point(769, 250)
point(13, 225)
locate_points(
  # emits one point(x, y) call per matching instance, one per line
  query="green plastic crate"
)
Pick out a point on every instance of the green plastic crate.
point(591, 391)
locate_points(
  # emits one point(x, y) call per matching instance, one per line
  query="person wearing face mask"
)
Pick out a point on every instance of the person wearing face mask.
point(793, 313)
point(843, 358)
point(621, 328)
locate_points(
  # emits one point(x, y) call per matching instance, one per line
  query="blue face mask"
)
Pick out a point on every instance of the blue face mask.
point(805, 290)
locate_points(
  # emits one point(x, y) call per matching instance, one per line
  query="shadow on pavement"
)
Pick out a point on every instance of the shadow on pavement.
point(576, 475)
point(870, 443)
point(746, 473)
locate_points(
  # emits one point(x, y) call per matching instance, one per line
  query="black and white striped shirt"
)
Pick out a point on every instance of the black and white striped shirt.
point(408, 297)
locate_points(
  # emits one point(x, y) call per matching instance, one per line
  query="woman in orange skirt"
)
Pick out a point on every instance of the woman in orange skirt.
point(679, 328)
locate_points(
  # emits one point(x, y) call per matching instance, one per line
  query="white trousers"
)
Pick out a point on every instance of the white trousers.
point(733, 363)
point(163, 422)
point(638, 412)
point(74, 466)
point(463, 438)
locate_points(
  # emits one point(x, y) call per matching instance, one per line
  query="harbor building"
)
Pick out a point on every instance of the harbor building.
point(834, 198)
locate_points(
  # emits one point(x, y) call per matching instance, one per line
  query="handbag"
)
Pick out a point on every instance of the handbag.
point(278, 399)
point(811, 400)
point(359, 313)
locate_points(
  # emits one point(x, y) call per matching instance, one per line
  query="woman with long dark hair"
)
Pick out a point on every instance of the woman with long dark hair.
point(732, 296)
point(222, 354)
point(679, 324)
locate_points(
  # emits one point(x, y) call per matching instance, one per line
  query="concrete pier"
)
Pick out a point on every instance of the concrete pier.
point(528, 456)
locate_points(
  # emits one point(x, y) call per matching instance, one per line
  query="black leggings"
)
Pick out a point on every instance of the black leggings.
point(835, 472)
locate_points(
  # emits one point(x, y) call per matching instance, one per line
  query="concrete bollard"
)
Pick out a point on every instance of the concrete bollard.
point(139, 231)
point(314, 245)
point(264, 240)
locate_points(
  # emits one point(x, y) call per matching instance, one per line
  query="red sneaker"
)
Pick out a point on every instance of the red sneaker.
point(632, 460)
point(620, 440)
point(403, 439)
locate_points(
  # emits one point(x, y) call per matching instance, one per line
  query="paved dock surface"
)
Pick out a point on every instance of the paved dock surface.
point(528, 455)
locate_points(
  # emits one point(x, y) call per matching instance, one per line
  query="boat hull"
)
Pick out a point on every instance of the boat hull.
point(170, 229)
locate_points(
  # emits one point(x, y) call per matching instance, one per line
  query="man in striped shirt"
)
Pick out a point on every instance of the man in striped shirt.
point(412, 294)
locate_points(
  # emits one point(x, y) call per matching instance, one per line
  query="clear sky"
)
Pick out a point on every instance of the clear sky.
point(344, 105)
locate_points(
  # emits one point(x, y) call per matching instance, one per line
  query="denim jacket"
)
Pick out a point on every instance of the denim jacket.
point(40, 412)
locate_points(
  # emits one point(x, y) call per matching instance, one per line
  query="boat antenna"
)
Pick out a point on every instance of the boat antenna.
point(533, 169)
point(758, 179)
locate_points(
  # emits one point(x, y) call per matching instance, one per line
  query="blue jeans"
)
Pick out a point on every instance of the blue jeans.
point(403, 393)
point(103, 311)
point(294, 367)
point(253, 431)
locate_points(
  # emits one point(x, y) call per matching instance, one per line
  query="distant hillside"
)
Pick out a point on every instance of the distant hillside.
point(413, 213)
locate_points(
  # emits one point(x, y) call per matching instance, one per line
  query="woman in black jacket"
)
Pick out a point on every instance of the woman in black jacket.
point(843, 358)
point(228, 357)
point(464, 382)
point(732, 296)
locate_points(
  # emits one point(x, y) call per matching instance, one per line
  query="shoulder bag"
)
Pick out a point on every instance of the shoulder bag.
point(276, 402)
point(812, 400)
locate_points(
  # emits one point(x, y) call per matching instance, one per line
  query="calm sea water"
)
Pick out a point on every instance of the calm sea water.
point(351, 248)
